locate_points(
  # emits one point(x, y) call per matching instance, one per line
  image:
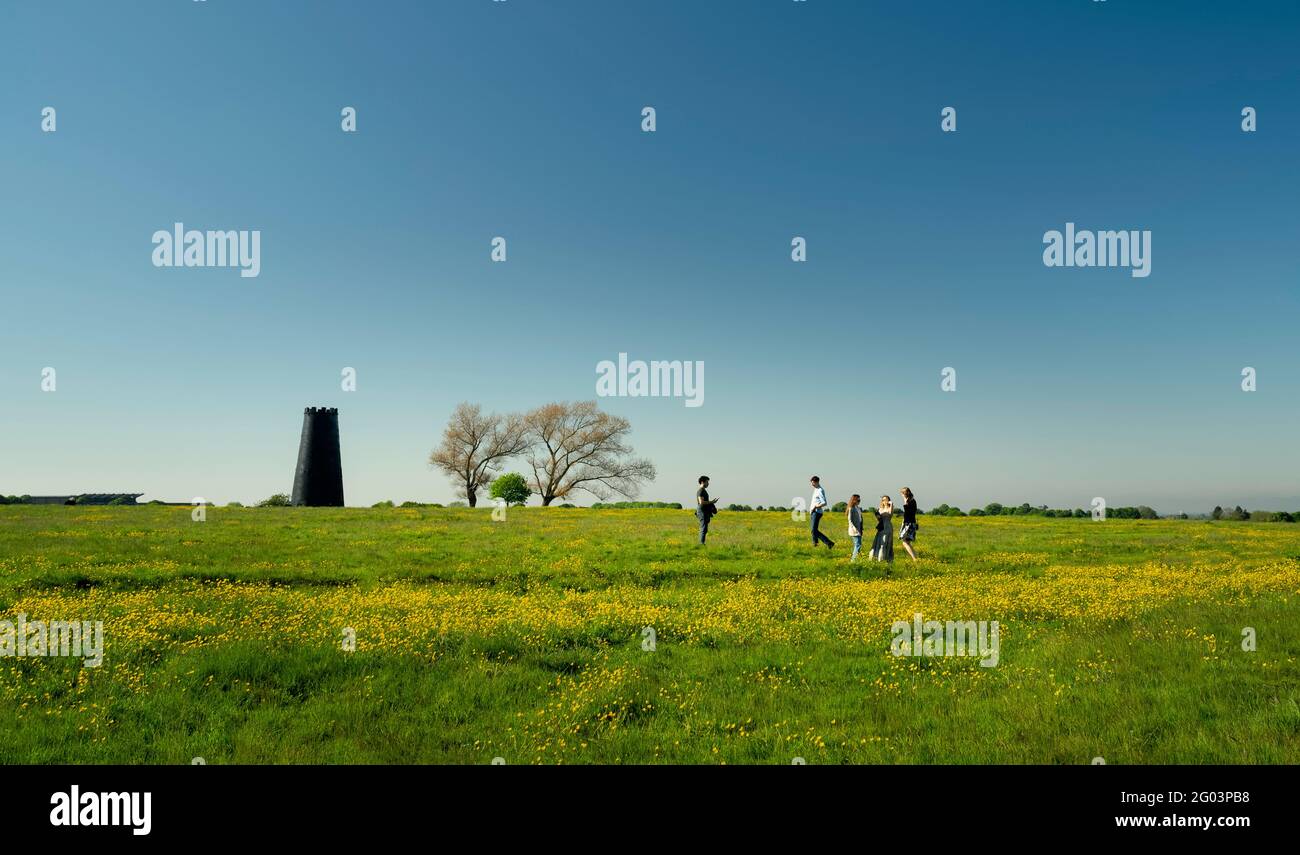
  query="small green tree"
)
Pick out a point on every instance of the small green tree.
point(279, 500)
point(511, 487)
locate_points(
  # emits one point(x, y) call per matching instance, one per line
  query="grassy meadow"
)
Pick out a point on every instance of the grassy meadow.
point(524, 639)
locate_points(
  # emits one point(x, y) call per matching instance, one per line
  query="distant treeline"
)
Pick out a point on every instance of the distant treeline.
point(759, 508)
point(1141, 512)
point(1240, 513)
point(71, 500)
point(675, 506)
point(389, 504)
point(997, 509)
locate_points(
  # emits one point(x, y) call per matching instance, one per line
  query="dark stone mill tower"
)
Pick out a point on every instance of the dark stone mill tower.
point(318, 480)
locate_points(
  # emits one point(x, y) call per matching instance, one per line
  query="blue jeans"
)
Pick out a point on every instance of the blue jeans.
point(817, 536)
point(857, 546)
point(704, 524)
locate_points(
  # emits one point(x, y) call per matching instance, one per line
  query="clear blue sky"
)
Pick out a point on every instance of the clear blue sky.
point(775, 119)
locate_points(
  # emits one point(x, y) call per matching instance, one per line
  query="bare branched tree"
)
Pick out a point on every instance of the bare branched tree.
point(577, 447)
point(474, 446)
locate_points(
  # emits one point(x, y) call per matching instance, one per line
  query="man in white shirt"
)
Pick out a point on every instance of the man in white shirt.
point(817, 507)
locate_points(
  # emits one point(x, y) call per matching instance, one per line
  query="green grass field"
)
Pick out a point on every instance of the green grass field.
point(526, 640)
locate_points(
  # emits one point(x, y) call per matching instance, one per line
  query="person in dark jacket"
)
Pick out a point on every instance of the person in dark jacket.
point(907, 535)
point(705, 507)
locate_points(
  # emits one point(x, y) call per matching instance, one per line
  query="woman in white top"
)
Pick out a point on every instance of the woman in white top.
point(882, 548)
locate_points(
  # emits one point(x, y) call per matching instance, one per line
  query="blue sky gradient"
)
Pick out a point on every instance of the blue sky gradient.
point(775, 119)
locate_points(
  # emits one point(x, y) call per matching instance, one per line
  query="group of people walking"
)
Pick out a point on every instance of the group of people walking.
point(882, 546)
